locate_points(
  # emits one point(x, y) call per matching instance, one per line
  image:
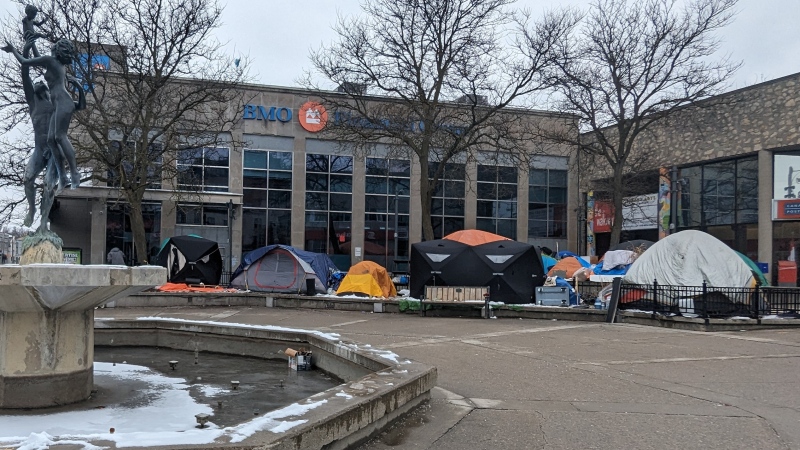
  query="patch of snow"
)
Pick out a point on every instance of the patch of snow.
point(345, 395)
point(271, 422)
point(211, 391)
point(386, 354)
point(168, 418)
point(284, 426)
point(331, 336)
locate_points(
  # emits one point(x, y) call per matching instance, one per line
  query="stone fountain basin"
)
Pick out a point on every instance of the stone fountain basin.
point(379, 386)
point(46, 327)
point(69, 287)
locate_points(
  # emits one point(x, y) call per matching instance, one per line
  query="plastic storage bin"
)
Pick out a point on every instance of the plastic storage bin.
point(552, 296)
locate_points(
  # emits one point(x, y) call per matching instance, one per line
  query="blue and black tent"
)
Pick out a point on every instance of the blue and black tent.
point(281, 268)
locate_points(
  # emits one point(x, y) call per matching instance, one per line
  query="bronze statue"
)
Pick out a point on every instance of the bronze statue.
point(51, 107)
point(29, 32)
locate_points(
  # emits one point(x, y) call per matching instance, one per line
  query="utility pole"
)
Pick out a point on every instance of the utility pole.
point(673, 200)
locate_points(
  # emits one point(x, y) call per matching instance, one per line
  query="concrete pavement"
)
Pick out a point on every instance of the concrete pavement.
point(535, 384)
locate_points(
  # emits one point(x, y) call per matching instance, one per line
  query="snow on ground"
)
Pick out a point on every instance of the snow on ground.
point(330, 336)
point(168, 418)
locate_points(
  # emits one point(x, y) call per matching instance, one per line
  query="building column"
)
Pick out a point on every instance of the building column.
point(471, 195)
point(97, 249)
point(299, 193)
point(522, 203)
point(765, 186)
point(169, 217)
point(574, 205)
point(235, 186)
point(414, 202)
point(357, 217)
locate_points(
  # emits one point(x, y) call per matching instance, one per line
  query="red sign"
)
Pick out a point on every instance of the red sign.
point(786, 209)
point(312, 116)
point(603, 216)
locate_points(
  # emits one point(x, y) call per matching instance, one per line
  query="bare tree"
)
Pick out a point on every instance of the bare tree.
point(158, 86)
point(437, 79)
point(629, 65)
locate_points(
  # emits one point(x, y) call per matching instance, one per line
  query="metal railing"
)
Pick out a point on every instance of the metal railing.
point(588, 290)
point(710, 302)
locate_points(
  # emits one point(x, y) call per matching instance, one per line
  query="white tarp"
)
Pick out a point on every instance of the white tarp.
point(686, 259)
point(616, 258)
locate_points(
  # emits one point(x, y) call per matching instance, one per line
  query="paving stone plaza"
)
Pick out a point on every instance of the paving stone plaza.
point(551, 384)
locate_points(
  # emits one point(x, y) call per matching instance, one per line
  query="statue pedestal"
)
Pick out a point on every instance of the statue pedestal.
point(47, 327)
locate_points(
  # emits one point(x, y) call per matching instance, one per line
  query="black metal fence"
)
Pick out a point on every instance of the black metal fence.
point(710, 302)
point(225, 279)
point(588, 290)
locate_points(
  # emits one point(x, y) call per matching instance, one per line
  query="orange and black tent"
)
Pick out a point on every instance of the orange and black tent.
point(509, 268)
point(475, 237)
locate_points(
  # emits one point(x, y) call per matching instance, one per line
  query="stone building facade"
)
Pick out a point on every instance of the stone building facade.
point(731, 154)
point(289, 184)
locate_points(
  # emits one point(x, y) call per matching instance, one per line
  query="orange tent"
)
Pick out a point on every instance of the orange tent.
point(569, 265)
point(475, 237)
point(367, 278)
point(183, 287)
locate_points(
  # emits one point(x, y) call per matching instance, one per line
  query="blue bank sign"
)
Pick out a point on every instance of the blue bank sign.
point(283, 114)
point(271, 113)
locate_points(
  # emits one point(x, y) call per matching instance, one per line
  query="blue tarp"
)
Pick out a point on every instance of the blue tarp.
point(320, 263)
point(565, 253)
point(618, 270)
point(548, 262)
point(573, 296)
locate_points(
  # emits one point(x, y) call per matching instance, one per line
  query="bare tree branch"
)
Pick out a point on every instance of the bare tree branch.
point(631, 64)
point(444, 74)
point(156, 83)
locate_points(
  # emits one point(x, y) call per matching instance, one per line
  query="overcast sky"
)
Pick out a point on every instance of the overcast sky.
point(278, 35)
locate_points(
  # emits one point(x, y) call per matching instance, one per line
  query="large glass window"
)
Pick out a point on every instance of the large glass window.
point(203, 169)
point(721, 199)
point(120, 235)
point(267, 198)
point(386, 209)
point(128, 157)
point(497, 200)
point(329, 205)
point(722, 193)
point(207, 215)
point(547, 203)
point(447, 202)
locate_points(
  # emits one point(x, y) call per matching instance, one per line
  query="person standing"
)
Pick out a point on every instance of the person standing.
point(116, 257)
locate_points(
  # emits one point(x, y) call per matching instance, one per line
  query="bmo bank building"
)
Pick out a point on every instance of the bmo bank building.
point(289, 185)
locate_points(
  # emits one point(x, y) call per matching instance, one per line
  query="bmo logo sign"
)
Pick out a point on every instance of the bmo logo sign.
point(270, 113)
point(312, 115)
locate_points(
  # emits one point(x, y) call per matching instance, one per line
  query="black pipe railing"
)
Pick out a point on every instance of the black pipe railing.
point(710, 301)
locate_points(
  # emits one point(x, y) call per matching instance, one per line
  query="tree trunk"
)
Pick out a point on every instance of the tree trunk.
point(425, 201)
point(617, 195)
point(137, 228)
